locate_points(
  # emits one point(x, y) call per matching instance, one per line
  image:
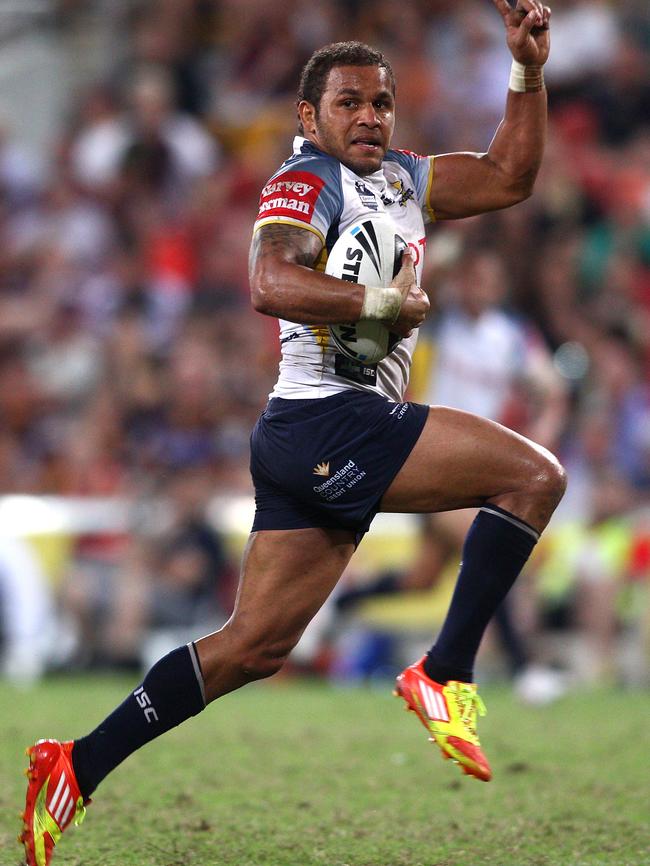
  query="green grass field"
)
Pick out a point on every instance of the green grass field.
point(309, 775)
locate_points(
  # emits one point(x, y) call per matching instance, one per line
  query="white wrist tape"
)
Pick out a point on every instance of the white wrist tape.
point(526, 79)
point(381, 304)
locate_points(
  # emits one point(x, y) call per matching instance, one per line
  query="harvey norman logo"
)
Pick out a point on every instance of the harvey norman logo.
point(289, 186)
point(292, 194)
point(287, 204)
point(322, 469)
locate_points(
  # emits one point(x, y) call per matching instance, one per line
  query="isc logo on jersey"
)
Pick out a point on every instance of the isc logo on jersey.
point(370, 253)
point(292, 194)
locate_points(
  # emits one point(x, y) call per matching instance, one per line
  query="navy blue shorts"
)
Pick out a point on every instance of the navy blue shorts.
point(328, 461)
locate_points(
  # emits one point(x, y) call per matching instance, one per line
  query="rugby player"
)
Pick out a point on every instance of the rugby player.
point(336, 445)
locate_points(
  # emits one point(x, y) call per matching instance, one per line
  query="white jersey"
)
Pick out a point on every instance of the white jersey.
point(315, 191)
point(480, 359)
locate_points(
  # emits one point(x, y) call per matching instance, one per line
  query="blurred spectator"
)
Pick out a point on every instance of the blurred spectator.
point(487, 360)
point(190, 578)
point(576, 58)
point(583, 572)
point(101, 137)
point(151, 147)
point(26, 613)
point(21, 175)
point(166, 583)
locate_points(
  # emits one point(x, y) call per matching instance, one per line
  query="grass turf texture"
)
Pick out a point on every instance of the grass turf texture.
point(292, 774)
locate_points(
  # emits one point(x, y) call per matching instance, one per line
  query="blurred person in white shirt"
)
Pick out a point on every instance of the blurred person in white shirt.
point(100, 150)
point(490, 361)
point(26, 612)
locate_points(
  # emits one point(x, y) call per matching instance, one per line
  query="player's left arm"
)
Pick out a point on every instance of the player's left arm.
point(548, 395)
point(465, 184)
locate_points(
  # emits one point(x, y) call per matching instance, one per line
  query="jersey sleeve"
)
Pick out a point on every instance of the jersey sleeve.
point(306, 192)
point(420, 169)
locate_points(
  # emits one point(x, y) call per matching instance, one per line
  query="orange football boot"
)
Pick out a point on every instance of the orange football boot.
point(53, 800)
point(448, 711)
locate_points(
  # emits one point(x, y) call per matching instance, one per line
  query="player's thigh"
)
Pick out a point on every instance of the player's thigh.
point(460, 461)
point(286, 577)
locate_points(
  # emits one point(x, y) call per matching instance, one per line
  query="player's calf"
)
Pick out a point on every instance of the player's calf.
point(263, 658)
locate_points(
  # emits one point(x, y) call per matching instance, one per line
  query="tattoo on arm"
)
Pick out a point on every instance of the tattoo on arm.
point(285, 243)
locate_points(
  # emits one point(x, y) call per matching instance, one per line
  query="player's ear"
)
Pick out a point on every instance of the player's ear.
point(307, 115)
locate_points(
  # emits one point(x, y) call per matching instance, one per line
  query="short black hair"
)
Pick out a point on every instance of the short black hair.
point(313, 78)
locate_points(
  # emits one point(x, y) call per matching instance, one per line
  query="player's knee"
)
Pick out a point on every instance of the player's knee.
point(550, 478)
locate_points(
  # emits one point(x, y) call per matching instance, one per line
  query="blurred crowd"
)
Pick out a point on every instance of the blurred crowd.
point(131, 364)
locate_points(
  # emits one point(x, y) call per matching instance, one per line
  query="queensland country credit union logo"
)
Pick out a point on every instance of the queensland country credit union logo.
point(322, 469)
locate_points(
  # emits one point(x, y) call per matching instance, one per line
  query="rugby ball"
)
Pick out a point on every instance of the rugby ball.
point(369, 252)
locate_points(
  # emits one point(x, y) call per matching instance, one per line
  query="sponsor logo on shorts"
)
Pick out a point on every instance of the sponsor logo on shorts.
point(322, 469)
point(344, 479)
point(399, 410)
point(292, 194)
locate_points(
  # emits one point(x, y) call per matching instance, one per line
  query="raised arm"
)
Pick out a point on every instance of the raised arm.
point(284, 283)
point(465, 184)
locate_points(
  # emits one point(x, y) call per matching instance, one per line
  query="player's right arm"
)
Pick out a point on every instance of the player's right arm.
point(284, 283)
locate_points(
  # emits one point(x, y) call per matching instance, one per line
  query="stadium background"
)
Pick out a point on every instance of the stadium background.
point(134, 140)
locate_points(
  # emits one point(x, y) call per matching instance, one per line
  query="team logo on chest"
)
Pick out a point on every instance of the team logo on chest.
point(403, 194)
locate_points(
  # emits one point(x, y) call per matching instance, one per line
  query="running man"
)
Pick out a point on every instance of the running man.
point(326, 419)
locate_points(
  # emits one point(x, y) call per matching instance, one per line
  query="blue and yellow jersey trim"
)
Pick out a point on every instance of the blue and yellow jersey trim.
point(288, 221)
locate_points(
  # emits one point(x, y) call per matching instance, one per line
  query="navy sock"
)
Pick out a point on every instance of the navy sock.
point(495, 550)
point(171, 692)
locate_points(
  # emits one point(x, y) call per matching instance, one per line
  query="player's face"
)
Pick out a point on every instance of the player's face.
point(356, 117)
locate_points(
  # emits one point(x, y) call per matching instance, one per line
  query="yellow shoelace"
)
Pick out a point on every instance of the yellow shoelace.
point(470, 703)
point(80, 812)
